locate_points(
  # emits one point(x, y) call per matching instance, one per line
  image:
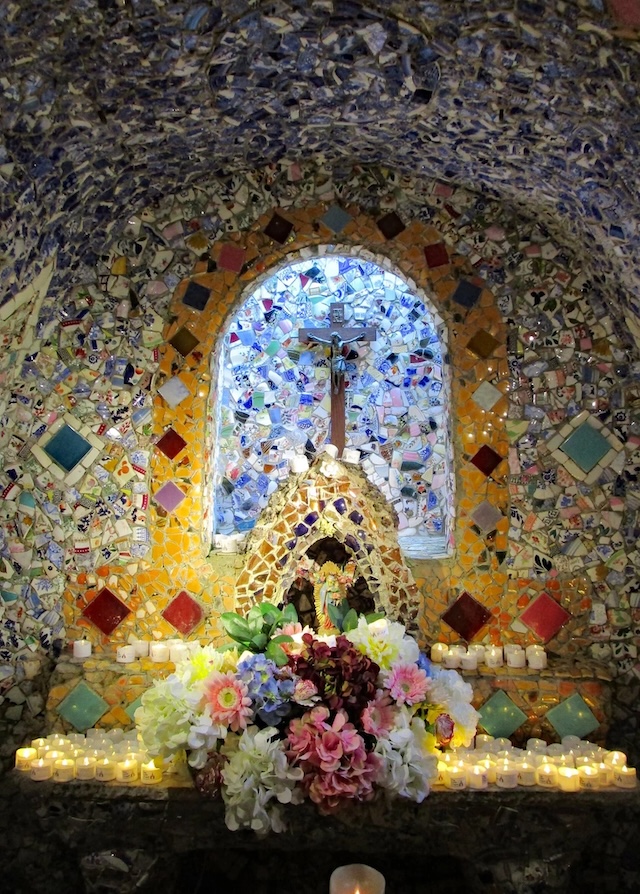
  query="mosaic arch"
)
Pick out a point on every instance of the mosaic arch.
point(274, 393)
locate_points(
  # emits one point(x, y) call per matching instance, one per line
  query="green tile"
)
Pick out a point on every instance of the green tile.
point(82, 707)
point(499, 716)
point(572, 717)
point(586, 447)
point(133, 707)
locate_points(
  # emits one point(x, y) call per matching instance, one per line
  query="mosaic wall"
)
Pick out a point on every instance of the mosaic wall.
point(537, 107)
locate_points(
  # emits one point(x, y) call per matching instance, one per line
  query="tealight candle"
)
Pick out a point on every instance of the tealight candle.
point(605, 775)
point(506, 774)
point(58, 742)
point(159, 652)
point(24, 758)
point(125, 654)
point(571, 741)
point(442, 773)
point(105, 769)
point(77, 739)
point(568, 779)
point(39, 743)
point(127, 770)
point(141, 647)
point(624, 777)
point(41, 769)
point(451, 659)
point(547, 775)
point(493, 656)
point(615, 758)
point(478, 650)
point(469, 661)
point(516, 658)
point(150, 774)
point(526, 774)
point(54, 755)
point(81, 648)
point(456, 777)
point(536, 745)
point(537, 660)
point(477, 777)
point(588, 778)
point(483, 741)
point(356, 878)
point(438, 651)
point(178, 652)
point(490, 766)
point(85, 767)
point(64, 770)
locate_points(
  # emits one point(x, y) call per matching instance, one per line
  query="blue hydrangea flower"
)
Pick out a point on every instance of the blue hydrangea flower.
point(269, 693)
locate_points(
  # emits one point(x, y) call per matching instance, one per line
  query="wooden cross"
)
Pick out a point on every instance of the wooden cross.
point(337, 337)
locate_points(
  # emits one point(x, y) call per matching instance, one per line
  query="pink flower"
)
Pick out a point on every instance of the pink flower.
point(378, 718)
point(407, 683)
point(305, 692)
point(227, 697)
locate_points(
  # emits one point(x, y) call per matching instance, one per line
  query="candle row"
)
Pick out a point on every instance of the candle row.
point(157, 651)
point(459, 656)
point(105, 756)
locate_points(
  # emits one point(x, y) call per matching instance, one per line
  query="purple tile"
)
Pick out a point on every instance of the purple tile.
point(486, 516)
point(486, 460)
point(171, 443)
point(169, 496)
point(466, 616)
point(183, 613)
point(106, 611)
point(545, 617)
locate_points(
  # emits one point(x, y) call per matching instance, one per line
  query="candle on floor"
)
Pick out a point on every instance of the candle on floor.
point(24, 758)
point(356, 878)
point(150, 774)
point(41, 769)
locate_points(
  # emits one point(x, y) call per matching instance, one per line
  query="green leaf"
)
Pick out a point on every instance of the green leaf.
point(259, 641)
point(350, 620)
point(236, 627)
point(255, 620)
point(277, 654)
point(374, 616)
point(289, 613)
point(282, 638)
point(335, 615)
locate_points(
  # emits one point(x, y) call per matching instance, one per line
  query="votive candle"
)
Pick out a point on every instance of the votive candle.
point(493, 656)
point(526, 774)
point(588, 778)
point(452, 659)
point(150, 774)
point(159, 652)
point(537, 660)
point(547, 775)
point(85, 767)
point(178, 652)
point(624, 777)
point(141, 647)
point(615, 758)
point(477, 777)
point(456, 777)
point(605, 775)
point(105, 769)
point(24, 758)
point(568, 779)
point(490, 766)
point(469, 661)
point(438, 651)
point(127, 770)
point(506, 774)
point(442, 773)
point(64, 769)
point(81, 648)
point(125, 654)
point(41, 769)
point(356, 878)
point(516, 658)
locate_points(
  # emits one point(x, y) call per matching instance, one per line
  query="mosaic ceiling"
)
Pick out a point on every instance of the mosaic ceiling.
point(108, 103)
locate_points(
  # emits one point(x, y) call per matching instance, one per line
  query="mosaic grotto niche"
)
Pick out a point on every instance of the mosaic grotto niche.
point(275, 401)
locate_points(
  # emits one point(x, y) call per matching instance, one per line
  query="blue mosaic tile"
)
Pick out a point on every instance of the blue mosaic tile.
point(336, 219)
point(67, 448)
point(83, 707)
point(572, 717)
point(586, 447)
point(466, 293)
point(499, 716)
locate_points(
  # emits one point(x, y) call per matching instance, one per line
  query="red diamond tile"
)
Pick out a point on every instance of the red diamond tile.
point(171, 443)
point(183, 613)
point(231, 257)
point(545, 617)
point(466, 616)
point(106, 611)
point(486, 459)
point(436, 255)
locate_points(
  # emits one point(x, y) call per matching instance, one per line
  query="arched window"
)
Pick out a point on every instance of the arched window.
point(273, 393)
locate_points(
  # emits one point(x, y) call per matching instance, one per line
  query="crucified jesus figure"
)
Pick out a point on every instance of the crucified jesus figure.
point(338, 359)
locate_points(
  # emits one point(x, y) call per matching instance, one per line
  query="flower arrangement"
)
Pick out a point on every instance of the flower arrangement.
point(286, 714)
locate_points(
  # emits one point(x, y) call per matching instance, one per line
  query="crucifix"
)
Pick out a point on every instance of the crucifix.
point(337, 338)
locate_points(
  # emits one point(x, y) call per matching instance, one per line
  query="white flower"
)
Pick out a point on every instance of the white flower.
point(448, 690)
point(385, 642)
point(407, 764)
point(256, 778)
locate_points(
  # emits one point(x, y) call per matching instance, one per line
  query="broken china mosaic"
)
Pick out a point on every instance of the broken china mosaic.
point(107, 419)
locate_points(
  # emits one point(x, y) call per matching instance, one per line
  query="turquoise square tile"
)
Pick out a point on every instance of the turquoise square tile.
point(82, 707)
point(499, 716)
point(586, 447)
point(572, 717)
point(67, 448)
point(133, 707)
